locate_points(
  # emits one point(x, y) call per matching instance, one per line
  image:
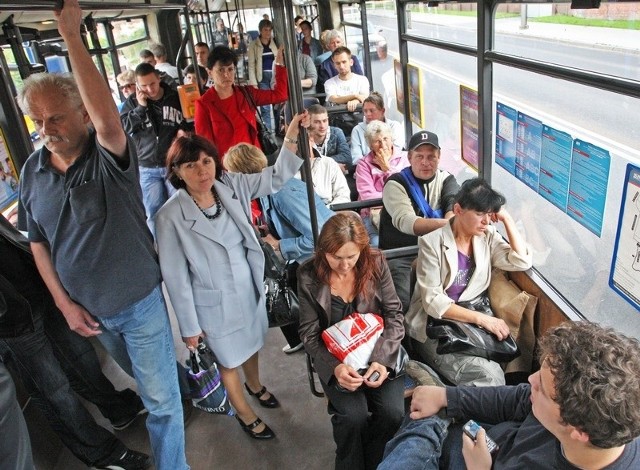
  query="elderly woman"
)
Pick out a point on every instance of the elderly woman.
point(373, 169)
point(225, 114)
point(373, 110)
point(344, 277)
point(454, 271)
point(212, 263)
point(283, 218)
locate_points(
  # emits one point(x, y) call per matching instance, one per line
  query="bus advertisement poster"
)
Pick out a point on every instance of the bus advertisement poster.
point(506, 137)
point(469, 125)
point(625, 265)
point(8, 175)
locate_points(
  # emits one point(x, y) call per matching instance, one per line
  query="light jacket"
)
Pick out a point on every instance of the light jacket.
point(437, 268)
point(255, 60)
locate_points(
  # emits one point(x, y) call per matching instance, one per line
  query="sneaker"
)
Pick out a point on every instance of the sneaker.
point(290, 350)
point(126, 422)
point(130, 460)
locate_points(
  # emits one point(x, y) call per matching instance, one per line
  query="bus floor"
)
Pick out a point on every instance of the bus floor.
point(302, 426)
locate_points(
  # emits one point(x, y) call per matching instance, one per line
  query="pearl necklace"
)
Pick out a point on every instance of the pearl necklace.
point(218, 205)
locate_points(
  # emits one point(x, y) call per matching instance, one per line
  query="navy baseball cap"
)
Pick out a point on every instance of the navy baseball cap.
point(422, 138)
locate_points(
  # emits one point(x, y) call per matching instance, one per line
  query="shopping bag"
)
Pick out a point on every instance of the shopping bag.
point(207, 391)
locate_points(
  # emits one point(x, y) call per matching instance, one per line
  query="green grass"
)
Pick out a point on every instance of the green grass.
point(572, 20)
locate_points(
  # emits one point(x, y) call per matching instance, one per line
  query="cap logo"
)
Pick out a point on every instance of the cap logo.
point(425, 136)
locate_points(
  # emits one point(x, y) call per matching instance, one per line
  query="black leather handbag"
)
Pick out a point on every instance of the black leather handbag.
point(281, 299)
point(465, 338)
point(265, 137)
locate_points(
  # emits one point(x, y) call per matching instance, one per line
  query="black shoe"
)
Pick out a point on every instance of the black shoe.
point(266, 433)
point(271, 402)
point(126, 422)
point(130, 460)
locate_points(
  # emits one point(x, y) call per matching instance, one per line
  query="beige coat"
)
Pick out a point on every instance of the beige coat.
point(255, 60)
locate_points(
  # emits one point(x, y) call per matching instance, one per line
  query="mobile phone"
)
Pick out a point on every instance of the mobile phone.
point(471, 429)
point(375, 376)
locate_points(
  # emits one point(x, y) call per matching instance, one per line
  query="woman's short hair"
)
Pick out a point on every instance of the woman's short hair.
point(128, 77)
point(59, 83)
point(375, 128)
point(477, 195)
point(221, 54)
point(342, 228)
point(375, 99)
point(245, 158)
point(187, 149)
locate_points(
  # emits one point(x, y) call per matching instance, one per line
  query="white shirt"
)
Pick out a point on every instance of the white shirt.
point(167, 68)
point(356, 85)
point(329, 182)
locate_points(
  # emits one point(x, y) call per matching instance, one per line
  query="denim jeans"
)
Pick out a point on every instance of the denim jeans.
point(145, 329)
point(418, 445)
point(156, 189)
point(372, 231)
point(15, 446)
point(50, 391)
point(265, 111)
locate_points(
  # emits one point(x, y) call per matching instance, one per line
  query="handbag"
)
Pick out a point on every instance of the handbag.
point(265, 137)
point(280, 298)
point(206, 389)
point(466, 338)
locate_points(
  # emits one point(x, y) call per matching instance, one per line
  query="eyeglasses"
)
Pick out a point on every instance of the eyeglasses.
point(128, 85)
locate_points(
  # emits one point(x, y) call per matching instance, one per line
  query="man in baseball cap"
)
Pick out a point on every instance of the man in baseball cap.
point(417, 200)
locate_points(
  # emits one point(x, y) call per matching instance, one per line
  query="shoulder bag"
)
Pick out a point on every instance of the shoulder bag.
point(466, 338)
point(281, 299)
point(266, 138)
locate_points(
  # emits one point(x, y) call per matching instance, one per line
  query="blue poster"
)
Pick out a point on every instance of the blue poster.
point(555, 166)
point(528, 150)
point(588, 186)
point(625, 266)
point(506, 137)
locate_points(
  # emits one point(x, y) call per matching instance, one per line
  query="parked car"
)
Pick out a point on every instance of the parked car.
point(355, 40)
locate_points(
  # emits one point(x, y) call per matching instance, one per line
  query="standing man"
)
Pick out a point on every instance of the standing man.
point(262, 53)
point(160, 55)
point(153, 118)
point(81, 205)
point(221, 35)
point(401, 219)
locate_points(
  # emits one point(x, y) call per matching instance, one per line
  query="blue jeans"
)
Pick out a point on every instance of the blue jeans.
point(156, 189)
point(145, 329)
point(372, 231)
point(265, 111)
point(15, 446)
point(51, 392)
point(418, 445)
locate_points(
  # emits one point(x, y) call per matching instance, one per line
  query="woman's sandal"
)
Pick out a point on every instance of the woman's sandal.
point(266, 433)
point(271, 402)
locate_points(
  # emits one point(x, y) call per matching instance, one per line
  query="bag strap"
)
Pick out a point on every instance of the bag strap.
point(251, 102)
point(418, 197)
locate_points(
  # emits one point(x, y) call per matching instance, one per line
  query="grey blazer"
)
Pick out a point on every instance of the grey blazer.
point(196, 268)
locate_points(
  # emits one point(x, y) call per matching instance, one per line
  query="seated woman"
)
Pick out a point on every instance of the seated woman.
point(284, 219)
point(373, 170)
point(213, 265)
point(344, 277)
point(454, 267)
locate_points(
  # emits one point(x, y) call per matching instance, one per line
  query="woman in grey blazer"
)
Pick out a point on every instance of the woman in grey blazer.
point(212, 263)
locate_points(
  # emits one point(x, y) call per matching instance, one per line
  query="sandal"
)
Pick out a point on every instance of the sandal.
point(266, 433)
point(271, 402)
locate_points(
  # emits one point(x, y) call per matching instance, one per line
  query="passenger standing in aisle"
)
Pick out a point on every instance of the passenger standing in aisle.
point(262, 53)
point(82, 207)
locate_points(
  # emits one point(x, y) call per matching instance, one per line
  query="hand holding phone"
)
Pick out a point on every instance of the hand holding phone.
point(471, 429)
point(373, 377)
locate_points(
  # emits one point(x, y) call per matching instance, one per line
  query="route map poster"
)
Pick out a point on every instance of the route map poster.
point(528, 150)
point(8, 176)
point(588, 185)
point(469, 125)
point(625, 265)
point(506, 137)
point(555, 166)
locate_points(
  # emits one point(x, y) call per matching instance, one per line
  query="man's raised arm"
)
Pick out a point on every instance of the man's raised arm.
point(95, 93)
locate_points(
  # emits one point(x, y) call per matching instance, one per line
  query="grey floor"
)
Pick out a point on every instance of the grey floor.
point(302, 426)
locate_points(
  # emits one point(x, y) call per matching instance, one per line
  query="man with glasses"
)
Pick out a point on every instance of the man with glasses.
point(152, 116)
point(401, 218)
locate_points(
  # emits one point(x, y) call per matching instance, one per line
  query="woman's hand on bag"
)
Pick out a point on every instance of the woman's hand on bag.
point(192, 341)
point(376, 367)
point(348, 378)
point(496, 326)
